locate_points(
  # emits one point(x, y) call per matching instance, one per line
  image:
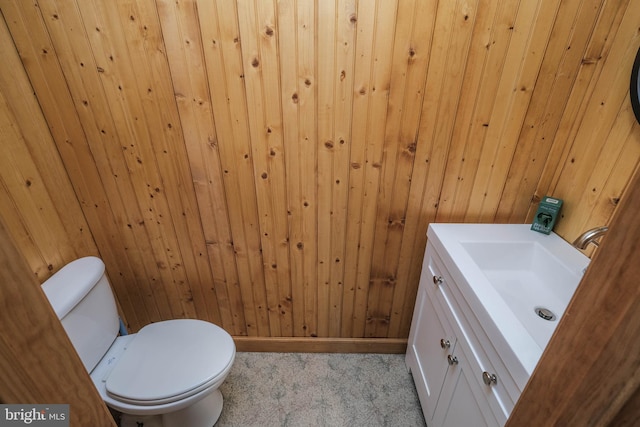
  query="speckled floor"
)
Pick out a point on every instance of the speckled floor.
point(317, 389)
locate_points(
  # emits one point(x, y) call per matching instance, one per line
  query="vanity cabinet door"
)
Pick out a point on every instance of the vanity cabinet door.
point(461, 401)
point(428, 346)
point(431, 340)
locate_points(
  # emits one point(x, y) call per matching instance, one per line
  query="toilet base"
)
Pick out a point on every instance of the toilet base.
point(127, 420)
point(203, 413)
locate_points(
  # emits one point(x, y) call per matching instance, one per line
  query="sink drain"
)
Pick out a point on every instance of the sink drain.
point(545, 313)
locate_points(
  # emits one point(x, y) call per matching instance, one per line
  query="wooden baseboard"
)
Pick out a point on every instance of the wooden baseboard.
point(321, 345)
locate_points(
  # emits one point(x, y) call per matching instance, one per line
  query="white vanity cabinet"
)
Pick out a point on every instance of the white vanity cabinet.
point(481, 320)
point(456, 382)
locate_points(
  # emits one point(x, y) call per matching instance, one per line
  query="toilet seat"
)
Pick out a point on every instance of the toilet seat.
point(169, 361)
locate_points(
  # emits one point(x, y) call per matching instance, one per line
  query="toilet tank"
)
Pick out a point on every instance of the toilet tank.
point(81, 296)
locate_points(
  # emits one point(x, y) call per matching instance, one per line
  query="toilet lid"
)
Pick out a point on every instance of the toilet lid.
point(170, 360)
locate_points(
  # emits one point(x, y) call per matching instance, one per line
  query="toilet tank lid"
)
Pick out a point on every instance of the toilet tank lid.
point(66, 288)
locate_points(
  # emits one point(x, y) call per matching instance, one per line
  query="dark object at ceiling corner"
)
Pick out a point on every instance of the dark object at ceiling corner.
point(634, 87)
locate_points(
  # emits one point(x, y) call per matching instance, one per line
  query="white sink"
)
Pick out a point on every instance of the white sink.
point(507, 272)
point(536, 284)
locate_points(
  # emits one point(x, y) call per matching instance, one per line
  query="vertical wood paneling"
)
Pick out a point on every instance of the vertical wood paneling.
point(286, 16)
point(327, 20)
point(219, 192)
point(567, 44)
point(305, 98)
point(443, 96)
point(363, 72)
point(260, 58)
point(299, 82)
point(103, 134)
point(347, 20)
point(37, 53)
point(336, 42)
point(272, 166)
point(477, 101)
point(591, 66)
point(519, 74)
point(183, 43)
point(38, 202)
point(378, 84)
point(414, 221)
point(225, 76)
point(595, 148)
point(131, 94)
point(408, 75)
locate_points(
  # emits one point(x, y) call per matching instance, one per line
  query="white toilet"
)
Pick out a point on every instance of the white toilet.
point(166, 375)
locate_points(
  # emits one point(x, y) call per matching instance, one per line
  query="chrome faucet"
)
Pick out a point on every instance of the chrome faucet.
point(590, 236)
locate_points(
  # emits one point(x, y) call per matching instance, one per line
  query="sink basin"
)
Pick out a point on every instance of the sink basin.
point(528, 277)
point(517, 282)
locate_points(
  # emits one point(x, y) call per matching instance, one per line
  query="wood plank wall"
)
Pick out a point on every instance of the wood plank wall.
point(272, 166)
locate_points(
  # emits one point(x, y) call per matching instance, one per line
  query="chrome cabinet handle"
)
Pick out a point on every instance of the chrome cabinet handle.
point(445, 343)
point(452, 360)
point(489, 379)
point(437, 280)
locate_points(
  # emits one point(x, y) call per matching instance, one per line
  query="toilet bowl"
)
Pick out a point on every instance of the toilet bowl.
point(166, 375)
point(170, 370)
